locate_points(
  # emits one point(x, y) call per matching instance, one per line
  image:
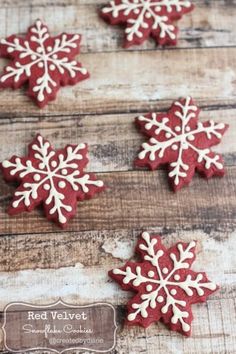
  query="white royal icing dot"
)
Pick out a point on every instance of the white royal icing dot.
point(173, 292)
point(100, 183)
point(174, 147)
point(36, 177)
point(131, 317)
point(149, 287)
point(177, 277)
point(145, 234)
point(82, 146)
point(49, 49)
point(15, 204)
point(160, 253)
point(151, 274)
point(52, 67)
point(54, 163)
point(5, 164)
point(167, 135)
point(46, 187)
point(157, 8)
point(186, 327)
point(39, 50)
point(61, 184)
point(160, 299)
point(177, 128)
point(191, 137)
point(33, 57)
point(165, 270)
point(40, 64)
point(187, 129)
point(64, 171)
point(41, 166)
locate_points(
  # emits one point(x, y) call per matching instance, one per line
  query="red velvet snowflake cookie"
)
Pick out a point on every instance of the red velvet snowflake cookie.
point(45, 62)
point(144, 18)
point(164, 284)
point(54, 178)
point(179, 140)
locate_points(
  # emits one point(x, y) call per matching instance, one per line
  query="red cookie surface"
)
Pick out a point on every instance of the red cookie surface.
point(54, 178)
point(179, 140)
point(144, 18)
point(45, 62)
point(164, 284)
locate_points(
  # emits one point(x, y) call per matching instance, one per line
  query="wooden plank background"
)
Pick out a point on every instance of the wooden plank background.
point(38, 261)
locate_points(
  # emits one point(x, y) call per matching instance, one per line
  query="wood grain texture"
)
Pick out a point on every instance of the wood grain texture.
point(40, 276)
point(137, 199)
point(114, 141)
point(38, 261)
point(127, 81)
point(208, 26)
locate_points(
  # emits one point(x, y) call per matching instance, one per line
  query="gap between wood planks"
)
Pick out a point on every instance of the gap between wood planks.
point(207, 337)
point(137, 200)
point(55, 250)
point(114, 141)
point(201, 28)
point(83, 274)
point(64, 3)
point(162, 106)
point(112, 152)
point(129, 86)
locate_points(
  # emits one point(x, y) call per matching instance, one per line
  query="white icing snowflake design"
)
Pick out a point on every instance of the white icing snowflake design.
point(178, 139)
point(165, 285)
point(55, 178)
point(147, 17)
point(47, 62)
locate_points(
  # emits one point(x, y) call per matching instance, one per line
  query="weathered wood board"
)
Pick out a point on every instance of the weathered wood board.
point(38, 261)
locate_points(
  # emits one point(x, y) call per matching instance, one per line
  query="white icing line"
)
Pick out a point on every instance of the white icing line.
point(163, 281)
point(45, 58)
point(180, 138)
point(146, 9)
point(49, 173)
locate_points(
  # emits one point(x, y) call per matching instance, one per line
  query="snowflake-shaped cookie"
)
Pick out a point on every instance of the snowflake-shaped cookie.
point(146, 18)
point(54, 178)
point(166, 287)
point(181, 141)
point(45, 62)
